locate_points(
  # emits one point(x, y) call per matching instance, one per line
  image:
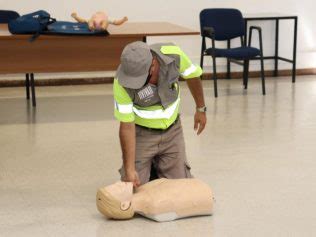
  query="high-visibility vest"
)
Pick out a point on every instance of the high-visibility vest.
point(155, 116)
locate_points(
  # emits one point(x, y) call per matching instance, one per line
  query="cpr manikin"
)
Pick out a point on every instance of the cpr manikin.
point(99, 20)
point(159, 200)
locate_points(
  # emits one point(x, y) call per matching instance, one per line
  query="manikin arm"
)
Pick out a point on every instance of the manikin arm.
point(78, 18)
point(118, 21)
point(104, 25)
point(91, 24)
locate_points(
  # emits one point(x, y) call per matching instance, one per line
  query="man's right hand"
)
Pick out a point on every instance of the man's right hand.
point(132, 176)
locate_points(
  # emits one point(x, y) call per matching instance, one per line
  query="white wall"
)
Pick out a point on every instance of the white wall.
point(186, 13)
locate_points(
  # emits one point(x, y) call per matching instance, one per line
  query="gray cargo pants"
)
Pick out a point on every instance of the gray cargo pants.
point(164, 149)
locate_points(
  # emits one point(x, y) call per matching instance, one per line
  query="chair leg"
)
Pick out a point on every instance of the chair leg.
point(33, 90)
point(243, 75)
point(27, 85)
point(228, 74)
point(201, 60)
point(215, 77)
point(262, 75)
point(246, 73)
point(202, 52)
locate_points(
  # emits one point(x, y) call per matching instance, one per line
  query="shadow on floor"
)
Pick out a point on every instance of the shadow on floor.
point(56, 109)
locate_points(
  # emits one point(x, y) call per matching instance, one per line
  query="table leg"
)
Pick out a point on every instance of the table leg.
point(33, 90)
point(27, 85)
point(294, 50)
point(276, 55)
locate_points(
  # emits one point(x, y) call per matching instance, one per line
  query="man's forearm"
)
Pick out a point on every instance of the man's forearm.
point(195, 86)
point(128, 145)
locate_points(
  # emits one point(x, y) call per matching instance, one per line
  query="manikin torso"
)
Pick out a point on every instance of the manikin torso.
point(164, 199)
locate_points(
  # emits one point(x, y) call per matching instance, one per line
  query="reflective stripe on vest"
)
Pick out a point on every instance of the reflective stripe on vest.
point(124, 109)
point(159, 113)
point(189, 70)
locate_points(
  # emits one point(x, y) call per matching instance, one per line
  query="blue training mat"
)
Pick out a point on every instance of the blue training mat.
point(72, 28)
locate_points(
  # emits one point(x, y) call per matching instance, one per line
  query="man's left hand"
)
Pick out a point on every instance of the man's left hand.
point(199, 121)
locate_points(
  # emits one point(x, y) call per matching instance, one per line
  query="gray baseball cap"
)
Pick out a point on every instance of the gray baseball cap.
point(136, 60)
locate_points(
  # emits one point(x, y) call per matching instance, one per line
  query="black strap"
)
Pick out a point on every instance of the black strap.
point(51, 20)
point(37, 34)
point(34, 37)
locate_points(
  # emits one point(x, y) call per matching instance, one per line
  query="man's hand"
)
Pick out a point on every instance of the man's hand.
point(196, 90)
point(199, 121)
point(132, 176)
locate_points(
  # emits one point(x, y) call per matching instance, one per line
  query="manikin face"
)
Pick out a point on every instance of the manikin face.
point(122, 191)
point(115, 201)
point(100, 24)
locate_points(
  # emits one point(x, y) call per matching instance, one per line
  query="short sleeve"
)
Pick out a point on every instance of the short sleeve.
point(187, 69)
point(123, 104)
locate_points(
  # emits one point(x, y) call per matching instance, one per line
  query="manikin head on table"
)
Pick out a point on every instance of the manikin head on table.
point(160, 200)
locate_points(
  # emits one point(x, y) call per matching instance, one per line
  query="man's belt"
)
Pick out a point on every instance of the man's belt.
point(160, 129)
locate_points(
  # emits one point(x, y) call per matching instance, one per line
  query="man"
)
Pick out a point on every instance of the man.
point(146, 102)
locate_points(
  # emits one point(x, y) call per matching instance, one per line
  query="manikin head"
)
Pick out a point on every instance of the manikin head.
point(100, 20)
point(100, 24)
point(115, 201)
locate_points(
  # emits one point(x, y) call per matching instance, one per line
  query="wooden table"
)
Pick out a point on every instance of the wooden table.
point(54, 53)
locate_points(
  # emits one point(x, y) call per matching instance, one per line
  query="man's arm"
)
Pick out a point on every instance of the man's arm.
point(196, 90)
point(191, 73)
point(128, 146)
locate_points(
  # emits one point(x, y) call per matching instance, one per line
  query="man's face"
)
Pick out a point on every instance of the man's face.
point(153, 70)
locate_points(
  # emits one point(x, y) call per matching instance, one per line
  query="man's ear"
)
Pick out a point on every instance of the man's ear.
point(125, 205)
point(153, 65)
point(155, 61)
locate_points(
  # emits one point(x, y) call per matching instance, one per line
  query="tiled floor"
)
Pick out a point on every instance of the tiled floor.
point(258, 153)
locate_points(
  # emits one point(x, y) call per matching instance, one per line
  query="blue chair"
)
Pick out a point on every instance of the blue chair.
point(225, 25)
point(5, 17)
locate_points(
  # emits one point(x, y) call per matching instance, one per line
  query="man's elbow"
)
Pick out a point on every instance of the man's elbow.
point(124, 126)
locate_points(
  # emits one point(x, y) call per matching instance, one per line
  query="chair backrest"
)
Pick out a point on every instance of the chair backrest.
point(227, 23)
point(6, 16)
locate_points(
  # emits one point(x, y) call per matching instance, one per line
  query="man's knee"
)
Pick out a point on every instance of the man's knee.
point(174, 170)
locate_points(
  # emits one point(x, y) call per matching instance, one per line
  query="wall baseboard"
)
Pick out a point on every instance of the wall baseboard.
point(268, 73)
point(103, 80)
